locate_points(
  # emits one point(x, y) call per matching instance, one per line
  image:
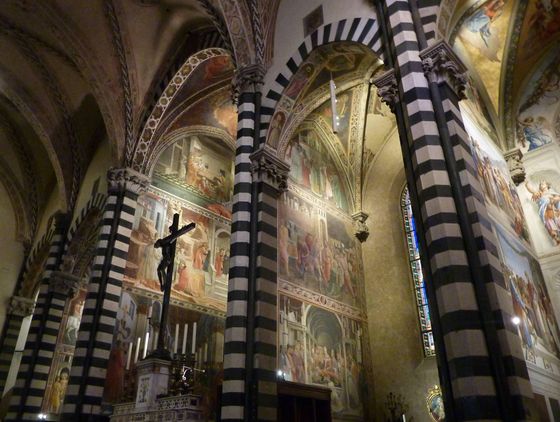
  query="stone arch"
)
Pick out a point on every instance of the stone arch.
point(361, 30)
point(144, 146)
point(23, 229)
point(34, 265)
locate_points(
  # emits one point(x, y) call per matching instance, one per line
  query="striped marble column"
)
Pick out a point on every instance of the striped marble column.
point(89, 367)
point(19, 308)
point(444, 69)
point(270, 174)
point(235, 336)
point(476, 381)
point(31, 382)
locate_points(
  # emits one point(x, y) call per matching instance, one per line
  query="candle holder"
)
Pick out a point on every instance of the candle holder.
point(183, 374)
point(397, 407)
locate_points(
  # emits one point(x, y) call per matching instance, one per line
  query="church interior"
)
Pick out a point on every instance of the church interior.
point(375, 192)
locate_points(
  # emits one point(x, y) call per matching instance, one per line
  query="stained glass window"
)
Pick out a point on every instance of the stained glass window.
point(417, 277)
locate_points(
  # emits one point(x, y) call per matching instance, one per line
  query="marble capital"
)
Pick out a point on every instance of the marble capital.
point(65, 283)
point(21, 306)
point(126, 178)
point(442, 65)
point(269, 169)
point(248, 78)
point(516, 168)
point(387, 88)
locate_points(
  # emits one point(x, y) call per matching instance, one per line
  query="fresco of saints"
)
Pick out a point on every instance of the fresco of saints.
point(58, 390)
point(480, 23)
point(548, 204)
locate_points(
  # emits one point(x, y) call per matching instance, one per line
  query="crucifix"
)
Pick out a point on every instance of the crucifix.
point(168, 245)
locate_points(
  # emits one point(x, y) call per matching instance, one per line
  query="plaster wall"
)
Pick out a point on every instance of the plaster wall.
point(399, 365)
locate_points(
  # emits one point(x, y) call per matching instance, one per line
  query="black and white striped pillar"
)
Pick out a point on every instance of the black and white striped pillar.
point(29, 390)
point(18, 309)
point(95, 337)
point(478, 383)
point(234, 387)
point(446, 74)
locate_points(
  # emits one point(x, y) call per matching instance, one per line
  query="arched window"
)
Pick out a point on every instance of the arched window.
point(417, 277)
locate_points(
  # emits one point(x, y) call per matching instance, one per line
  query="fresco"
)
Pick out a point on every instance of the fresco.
point(499, 191)
point(317, 346)
point(63, 354)
point(204, 75)
point(215, 110)
point(546, 200)
point(198, 169)
point(481, 37)
point(537, 115)
point(312, 168)
point(343, 111)
point(540, 26)
point(531, 303)
point(137, 335)
point(202, 256)
point(317, 250)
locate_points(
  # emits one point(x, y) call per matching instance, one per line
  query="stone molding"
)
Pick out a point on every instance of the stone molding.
point(21, 306)
point(516, 169)
point(442, 65)
point(127, 179)
point(65, 283)
point(268, 168)
point(387, 88)
point(361, 230)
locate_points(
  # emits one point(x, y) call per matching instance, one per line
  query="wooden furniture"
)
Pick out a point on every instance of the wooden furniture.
point(303, 403)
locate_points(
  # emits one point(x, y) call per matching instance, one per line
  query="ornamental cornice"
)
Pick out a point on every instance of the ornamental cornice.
point(361, 230)
point(65, 283)
point(247, 79)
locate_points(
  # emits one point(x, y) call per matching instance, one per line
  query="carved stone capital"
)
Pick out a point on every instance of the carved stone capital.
point(441, 65)
point(516, 169)
point(65, 283)
point(270, 169)
point(247, 78)
point(127, 179)
point(361, 230)
point(21, 306)
point(387, 88)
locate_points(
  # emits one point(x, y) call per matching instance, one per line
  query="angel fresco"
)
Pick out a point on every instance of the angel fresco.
point(548, 206)
point(480, 24)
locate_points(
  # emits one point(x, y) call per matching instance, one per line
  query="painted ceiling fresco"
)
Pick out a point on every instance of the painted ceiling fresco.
point(337, 60)
point(481, 40)
point(538, 122)
point(540, 30)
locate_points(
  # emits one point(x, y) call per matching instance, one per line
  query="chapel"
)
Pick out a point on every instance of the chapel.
point(280, 210)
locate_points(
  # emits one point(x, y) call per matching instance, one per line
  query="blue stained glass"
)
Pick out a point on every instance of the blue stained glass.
point(417, 276)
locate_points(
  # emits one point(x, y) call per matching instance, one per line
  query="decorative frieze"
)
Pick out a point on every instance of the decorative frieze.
point(441, 65)
point(21, 306)
point(127, 179)
point(387, 88)
point(268, 168)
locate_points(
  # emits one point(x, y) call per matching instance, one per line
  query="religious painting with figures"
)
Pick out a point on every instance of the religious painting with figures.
point(199, 170)
point(317, 250)
point(318, 346)
point(537, 325)
point(202, 256)
point(313, 169)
